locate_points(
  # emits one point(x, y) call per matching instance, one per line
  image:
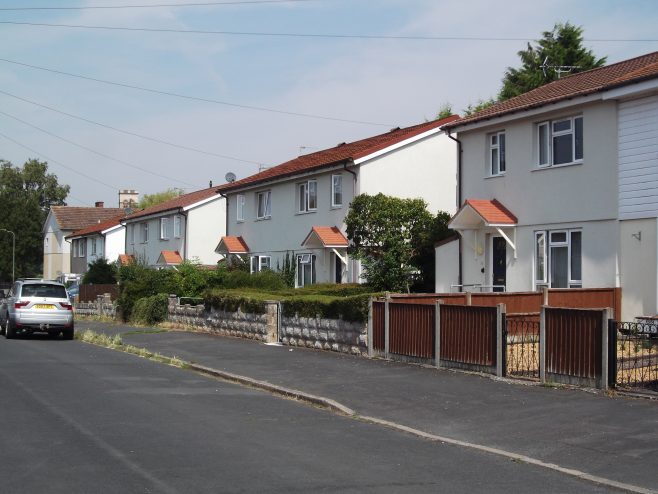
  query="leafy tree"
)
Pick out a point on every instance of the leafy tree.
point(481, 104)
point(156, 198)
point(100, 272)
point(26, 195)
point(394, 240)
point(562, 46)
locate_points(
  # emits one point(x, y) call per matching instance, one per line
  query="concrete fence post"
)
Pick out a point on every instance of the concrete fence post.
point(544, 291)
point(606, 314)
point(99, 305)
point(468, 298)
point(501, 343)
point(272, 321)
point(370, 342)
point(437, 334)
point(542, 345)
point(171, 303)
point(386, 324)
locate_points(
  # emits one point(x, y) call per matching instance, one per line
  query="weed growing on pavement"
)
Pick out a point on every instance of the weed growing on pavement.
point(115, 342)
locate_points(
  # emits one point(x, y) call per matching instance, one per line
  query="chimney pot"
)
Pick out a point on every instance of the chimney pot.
point(99, 204)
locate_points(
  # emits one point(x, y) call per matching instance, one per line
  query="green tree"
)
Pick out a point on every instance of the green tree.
point(560, 47)
point(481, 104)
point(100, 272)
point(26, 195)
point(394, 240)
point(444, 111)
point(156, 198)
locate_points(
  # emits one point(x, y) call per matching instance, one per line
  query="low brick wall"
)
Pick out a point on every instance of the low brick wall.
point(103, 306)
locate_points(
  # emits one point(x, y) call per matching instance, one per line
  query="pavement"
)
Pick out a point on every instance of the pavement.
point(606, 438)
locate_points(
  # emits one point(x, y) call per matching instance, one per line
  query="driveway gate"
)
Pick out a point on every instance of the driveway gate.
point(634, 348)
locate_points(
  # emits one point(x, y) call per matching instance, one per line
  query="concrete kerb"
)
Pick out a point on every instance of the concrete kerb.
point(275, 389)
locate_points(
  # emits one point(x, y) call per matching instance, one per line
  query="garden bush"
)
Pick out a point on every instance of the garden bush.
point(150, 310)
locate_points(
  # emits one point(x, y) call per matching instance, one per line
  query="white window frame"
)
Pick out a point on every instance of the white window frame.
point(336, 188)
point(259, 263)
point(495, 168)
point(145, 232)
point(93, 246)
point(550, 243)
point(163, 228)
point(307, 196)
point(303, 260)
point(177, 226)
point(547, 127)
point(131, 234)
point(265, 198)
point(240, 202)
point(82, 243)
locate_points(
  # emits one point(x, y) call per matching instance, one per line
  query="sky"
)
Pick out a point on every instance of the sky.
point(180, 109)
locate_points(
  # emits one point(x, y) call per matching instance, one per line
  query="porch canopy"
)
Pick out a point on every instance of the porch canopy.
point(327, 237)
point(487, 215)
point(169, 258)
point(232, 245)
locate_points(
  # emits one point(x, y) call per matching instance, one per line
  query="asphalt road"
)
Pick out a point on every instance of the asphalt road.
point(76, 418)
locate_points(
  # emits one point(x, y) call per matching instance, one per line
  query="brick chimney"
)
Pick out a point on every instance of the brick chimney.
point(99, 204)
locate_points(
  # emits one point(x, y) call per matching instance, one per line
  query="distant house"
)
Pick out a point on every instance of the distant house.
point(184, 228)
point(105, 239)
point(560, 188)
point(61, 222)
point(298, 208)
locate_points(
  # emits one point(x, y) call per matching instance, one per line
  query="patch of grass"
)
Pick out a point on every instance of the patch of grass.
point(115, 342)
point(145, 331)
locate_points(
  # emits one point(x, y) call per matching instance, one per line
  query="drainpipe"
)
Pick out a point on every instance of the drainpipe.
point(459, 195)
point(186, 238)
point(353, 194)
point(226, 259)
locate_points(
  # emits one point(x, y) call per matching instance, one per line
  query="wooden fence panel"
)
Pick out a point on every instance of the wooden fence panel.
point(378, 337)
point(89, 293)
point(581, 298)
point(574, 343)
point(468, 334)
point(411, 330)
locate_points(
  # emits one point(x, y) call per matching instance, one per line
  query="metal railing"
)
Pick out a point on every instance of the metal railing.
point(522, 347)
point(636, 345)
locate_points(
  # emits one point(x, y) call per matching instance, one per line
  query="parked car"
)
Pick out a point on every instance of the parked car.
point(36, 306)
point(73, 290)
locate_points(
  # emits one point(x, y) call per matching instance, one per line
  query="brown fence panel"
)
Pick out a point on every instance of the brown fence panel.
point(591, 298)
point(574, 342)
point(89, 293)
point(468, 334)
point(411, 329)
point(378, 337)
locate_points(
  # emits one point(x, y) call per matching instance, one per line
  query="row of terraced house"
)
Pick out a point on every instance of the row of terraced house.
point(557, 187)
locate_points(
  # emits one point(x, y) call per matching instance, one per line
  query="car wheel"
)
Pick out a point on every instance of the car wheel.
point(10, 330)
point(68, 334)
point(3, 326)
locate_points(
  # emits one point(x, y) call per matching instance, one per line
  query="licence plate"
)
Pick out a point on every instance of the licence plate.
point(44, 306)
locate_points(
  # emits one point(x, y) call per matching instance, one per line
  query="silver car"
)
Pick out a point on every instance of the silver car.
point(35, 305)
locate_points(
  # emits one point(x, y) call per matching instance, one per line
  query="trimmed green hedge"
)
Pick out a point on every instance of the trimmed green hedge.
point(150, 310)
point(301, 302)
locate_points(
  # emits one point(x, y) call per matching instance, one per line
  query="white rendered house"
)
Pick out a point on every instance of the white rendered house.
point(103, 240)
point(560, 188)
point(180, 229)
point(298, 208)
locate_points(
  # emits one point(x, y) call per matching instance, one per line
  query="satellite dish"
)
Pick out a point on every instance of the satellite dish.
point(230, 177)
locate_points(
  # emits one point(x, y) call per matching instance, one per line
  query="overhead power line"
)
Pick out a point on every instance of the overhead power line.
point(51, 160)
point(111, 158)
point(311, 35)
point(127, 132)
point(157, 5)
point(194, 98)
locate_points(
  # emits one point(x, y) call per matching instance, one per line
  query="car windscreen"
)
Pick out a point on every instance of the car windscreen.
point(43, 290)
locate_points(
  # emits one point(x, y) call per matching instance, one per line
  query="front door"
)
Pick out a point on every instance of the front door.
point(498, 263)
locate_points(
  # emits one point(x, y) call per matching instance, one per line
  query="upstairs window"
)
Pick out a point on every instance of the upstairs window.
point(145, 232)
point(497, 154)
point(82, 243)
point(164, 222)
point(93, 246)
point(307, 195)
point(177, 224)
point(240, 202)
point(560, 142)
point(336, 191)
point(264, 204)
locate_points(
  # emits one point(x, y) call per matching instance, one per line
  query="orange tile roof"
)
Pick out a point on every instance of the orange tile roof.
point(491, 211)
point(581, 84)
point(98, 227)
point(176, 203)
point(171, 257)
point(126, 259)
point(338, 154)
point(77, 218)
point(234, 245)
point(330, 236)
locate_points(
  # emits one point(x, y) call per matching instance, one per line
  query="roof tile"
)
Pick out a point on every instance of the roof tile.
point(492, 211)
point(176, 203)
point(75, 218)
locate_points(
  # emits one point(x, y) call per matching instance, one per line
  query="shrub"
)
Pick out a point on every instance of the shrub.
point(100, 272)
point(150, 310)
point(231, 301)
point(354, 308)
